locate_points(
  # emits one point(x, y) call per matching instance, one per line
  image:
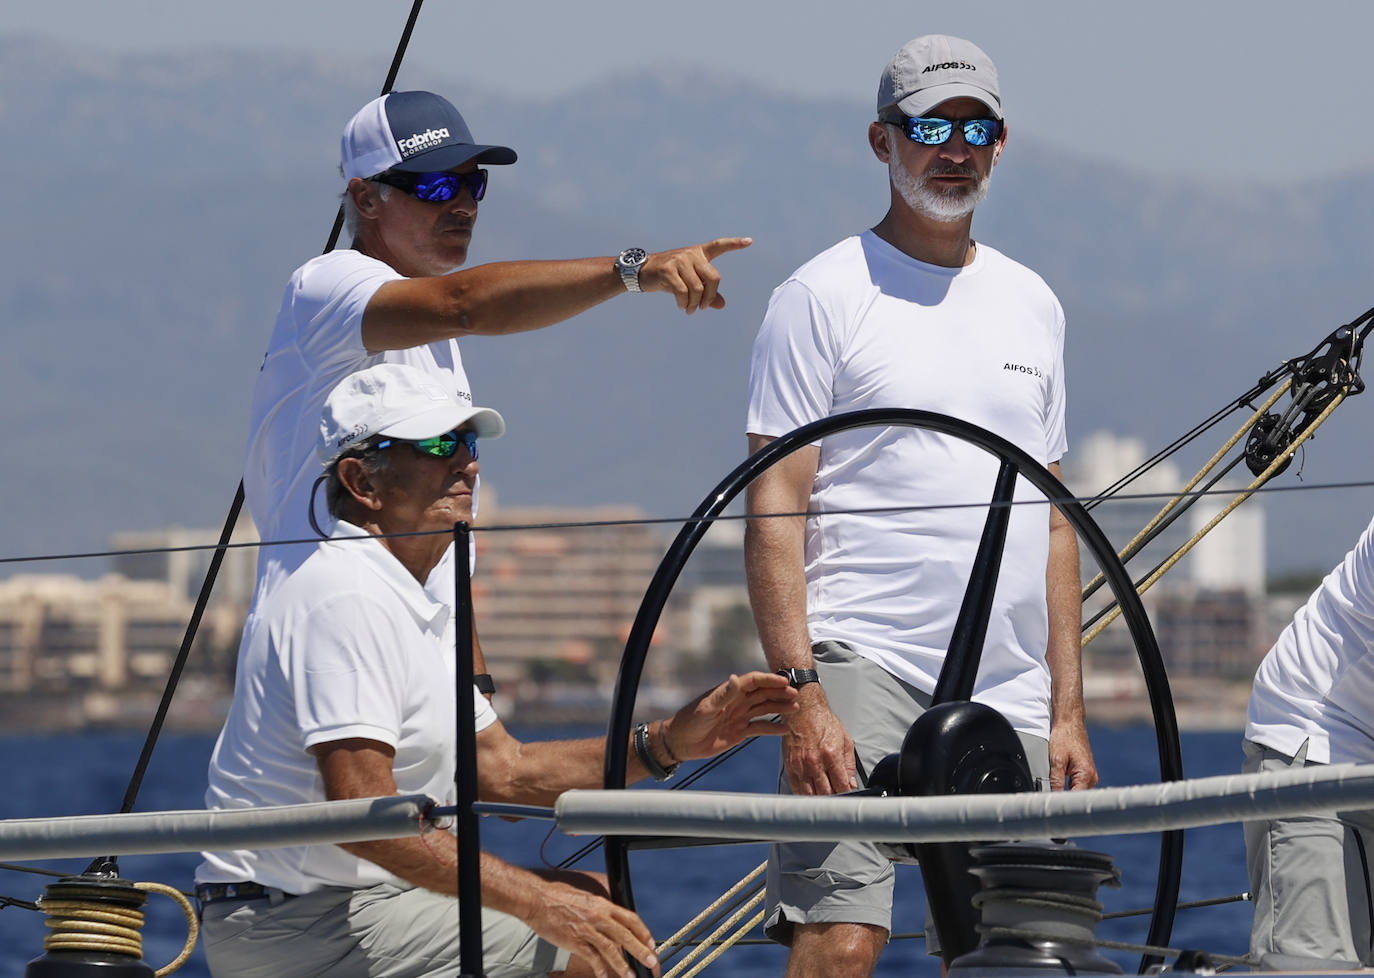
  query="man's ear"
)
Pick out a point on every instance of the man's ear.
point(880, 140)
point(358, 484)
point(365, 197)
point(1001, 145)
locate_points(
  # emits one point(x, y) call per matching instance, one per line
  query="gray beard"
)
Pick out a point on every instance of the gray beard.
point(946, 206)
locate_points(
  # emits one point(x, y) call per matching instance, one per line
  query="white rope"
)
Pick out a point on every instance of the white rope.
point(1101, 811)
point(137, 833)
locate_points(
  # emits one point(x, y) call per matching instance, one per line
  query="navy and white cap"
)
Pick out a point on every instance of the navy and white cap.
point(417, 132)
point(399, 400)
point(935, 68)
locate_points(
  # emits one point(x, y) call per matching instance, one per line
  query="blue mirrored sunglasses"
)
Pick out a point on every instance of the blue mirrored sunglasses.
point(934, 132)
point(440, 446)
point(436, 188)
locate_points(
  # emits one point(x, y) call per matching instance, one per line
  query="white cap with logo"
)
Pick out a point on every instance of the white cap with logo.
point(397, 400)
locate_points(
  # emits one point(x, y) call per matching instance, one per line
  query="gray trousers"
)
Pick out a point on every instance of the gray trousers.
point(383, 931)
point(1309, 878)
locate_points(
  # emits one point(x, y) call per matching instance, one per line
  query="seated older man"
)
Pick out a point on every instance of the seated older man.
point(345, 690)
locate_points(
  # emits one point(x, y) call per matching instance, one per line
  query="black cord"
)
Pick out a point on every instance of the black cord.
point(314, 524)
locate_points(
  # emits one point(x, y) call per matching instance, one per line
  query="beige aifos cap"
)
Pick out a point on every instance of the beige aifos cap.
point(932, 69)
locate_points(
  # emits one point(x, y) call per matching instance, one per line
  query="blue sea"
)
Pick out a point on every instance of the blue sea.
point(61, 774)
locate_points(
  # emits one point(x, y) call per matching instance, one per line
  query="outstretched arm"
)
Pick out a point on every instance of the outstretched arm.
point(513, 297)
point(1071, 757)
point(817, 752)
point(538, 772)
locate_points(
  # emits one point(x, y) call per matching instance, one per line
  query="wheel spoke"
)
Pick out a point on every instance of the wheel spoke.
point(960, 668)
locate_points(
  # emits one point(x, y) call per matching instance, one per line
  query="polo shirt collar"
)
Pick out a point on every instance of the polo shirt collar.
point(429, 613)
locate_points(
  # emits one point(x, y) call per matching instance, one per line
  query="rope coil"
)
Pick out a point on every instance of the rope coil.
point(100, 915)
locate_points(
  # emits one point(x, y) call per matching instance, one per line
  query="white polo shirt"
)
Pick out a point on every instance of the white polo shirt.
point(863, 325)
point(349, 646)
point(1317, 682)
point(317, 341)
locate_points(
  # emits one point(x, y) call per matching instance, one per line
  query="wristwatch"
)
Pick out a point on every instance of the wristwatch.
point(797, 678)
point(629, 263)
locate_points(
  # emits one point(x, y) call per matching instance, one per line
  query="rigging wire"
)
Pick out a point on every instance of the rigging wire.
point(1172, 448)
point(1176, 505)
point(679, 521)
point(1130, 552)
point(1277, 465)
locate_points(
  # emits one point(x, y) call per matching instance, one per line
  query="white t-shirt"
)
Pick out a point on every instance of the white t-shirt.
point(1317, 682)
point(317, 342)
point(863, 325)
point(348, 646)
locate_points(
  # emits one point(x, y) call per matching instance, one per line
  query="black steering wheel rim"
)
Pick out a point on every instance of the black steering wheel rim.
point(1132, 611)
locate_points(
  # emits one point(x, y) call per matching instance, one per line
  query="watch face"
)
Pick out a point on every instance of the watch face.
point(633, 256)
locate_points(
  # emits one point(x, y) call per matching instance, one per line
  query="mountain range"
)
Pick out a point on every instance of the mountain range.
point(157, 204)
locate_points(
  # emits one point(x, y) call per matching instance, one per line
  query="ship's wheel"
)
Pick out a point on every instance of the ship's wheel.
point(972, 622)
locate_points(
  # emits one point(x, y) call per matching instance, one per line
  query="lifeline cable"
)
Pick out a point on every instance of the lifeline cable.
point(108, 865)
point(1085, 501)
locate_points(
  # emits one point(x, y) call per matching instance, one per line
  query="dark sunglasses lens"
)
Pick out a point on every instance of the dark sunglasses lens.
point(929, 132)
point(477, 183)
point(982, 132)
point(440, 446)
point(436, 188)
point(446, 445)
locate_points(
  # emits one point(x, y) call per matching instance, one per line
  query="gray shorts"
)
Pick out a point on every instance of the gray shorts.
point(852, 882)
point(383, 931)
point(1308, 877)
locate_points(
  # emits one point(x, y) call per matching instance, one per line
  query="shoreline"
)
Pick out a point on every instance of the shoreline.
point(1115, 703)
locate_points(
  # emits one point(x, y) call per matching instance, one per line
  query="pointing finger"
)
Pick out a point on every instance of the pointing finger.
point(720, 246)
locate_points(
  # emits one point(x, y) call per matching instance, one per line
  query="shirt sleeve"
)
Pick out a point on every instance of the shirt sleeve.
point(347, 678)
point(329, 300)
point(1056, 432)
point(483, 714)
point(792, 369)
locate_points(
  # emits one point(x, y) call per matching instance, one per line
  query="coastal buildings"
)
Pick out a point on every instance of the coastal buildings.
point(557, 590)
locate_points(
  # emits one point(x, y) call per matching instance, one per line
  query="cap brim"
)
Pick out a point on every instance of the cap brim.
point(923, 101)
point(485, 422)
point(448, 157)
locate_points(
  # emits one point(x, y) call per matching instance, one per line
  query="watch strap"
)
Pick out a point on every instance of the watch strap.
point(484, 683)
point(628, 263)
point(797, 678)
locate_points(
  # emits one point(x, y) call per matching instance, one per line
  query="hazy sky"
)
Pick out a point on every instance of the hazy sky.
point(1223, 89)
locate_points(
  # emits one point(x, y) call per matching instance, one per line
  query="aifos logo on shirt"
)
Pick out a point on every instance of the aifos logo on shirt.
point(1021, 368)
point(416, 142)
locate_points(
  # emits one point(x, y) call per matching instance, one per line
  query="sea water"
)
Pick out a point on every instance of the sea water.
point(88, 773)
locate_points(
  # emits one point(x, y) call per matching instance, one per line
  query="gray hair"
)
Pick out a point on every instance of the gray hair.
point(352, 219)
point(336, 496)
